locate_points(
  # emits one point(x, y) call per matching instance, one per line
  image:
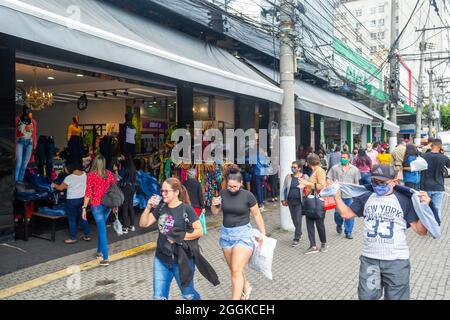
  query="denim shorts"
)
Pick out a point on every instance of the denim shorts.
point(242, 236)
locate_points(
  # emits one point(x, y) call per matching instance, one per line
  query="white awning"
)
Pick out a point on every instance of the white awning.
point(103, 31)
point(388, 125)
point(319, 101)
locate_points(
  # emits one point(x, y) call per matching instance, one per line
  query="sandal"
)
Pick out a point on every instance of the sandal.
point(86, 238)
point(70, 241)
point(246, 296)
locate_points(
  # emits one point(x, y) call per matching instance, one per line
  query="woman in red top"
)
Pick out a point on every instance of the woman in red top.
point(98, 181)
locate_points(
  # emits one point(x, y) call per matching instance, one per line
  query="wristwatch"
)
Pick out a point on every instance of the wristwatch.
point(83, 208)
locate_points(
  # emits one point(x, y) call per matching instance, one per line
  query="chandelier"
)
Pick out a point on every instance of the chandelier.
point(38, 99)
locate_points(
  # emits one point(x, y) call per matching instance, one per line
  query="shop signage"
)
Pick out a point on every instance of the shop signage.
point(376, 124)
point(154, 125)
point(408, 108)
point(356, 130)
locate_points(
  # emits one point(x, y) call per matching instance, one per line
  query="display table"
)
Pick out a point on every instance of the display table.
point(53, 220)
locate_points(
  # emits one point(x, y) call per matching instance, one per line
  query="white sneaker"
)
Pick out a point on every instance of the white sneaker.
point(124, 230)
point(132, 228)
point(262, 208)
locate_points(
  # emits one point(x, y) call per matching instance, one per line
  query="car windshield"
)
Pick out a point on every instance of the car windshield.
point(446, 147)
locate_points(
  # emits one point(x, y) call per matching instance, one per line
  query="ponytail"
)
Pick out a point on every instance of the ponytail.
point(184, 196)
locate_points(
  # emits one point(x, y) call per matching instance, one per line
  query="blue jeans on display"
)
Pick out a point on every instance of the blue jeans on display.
point(348, 224)
point(101, 214)
point(437, 197)
point(163, 275)
point(365, 178)
point(73, 211)
point(24, 150)
point(259, 188)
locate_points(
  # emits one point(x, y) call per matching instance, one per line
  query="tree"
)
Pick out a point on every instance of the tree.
point(445, 117)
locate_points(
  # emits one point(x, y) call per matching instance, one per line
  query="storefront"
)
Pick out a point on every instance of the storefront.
point(118, 62)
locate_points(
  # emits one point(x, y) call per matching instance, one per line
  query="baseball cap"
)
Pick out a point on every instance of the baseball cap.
point(384, 172)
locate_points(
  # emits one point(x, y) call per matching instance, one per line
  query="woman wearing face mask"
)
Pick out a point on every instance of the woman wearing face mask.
point(292, 197)
point(236, 237)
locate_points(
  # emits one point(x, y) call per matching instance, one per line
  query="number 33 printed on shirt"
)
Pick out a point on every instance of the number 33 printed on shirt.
point(383, 229)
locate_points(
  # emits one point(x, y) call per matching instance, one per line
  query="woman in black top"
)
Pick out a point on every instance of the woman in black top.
point(292, 197)
point(170, 216)
point(237, 235)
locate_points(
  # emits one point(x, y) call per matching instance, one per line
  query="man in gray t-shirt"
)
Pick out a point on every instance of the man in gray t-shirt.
point(385, 255)
point(344, 172)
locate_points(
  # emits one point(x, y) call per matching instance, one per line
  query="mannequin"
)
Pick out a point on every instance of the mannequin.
point(26, 128)
point(129, 136)
point(75, 142)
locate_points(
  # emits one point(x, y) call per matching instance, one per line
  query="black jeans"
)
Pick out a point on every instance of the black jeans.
point(311, 232)
point(296, 214)
point(45, 150)
point(128, 215)
point(130, 149)
point(273, 186)
point(76, 149)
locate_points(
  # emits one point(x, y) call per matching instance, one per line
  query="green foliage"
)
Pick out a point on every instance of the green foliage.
point(445, 117)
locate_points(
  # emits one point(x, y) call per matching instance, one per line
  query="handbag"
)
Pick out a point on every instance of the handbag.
point(329, 202)
point(114, 197)
point(202, 219)
point(313, 206)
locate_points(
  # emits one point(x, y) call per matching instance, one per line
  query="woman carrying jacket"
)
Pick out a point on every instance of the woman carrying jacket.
point(98, 182)
point(170, 215)
point(292, 197)
point(316, 181)
point(128, 187)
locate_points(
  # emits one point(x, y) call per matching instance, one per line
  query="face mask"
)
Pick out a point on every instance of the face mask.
point(294, 171)
point(344, 162)
point(381, 190)
point(369, 149)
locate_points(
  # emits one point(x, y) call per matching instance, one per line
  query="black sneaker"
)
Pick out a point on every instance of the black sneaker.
point(104, 263)
point(312, 250)
point(324, 247)
point(339, 229)
point(349, 236)
point(295, 243)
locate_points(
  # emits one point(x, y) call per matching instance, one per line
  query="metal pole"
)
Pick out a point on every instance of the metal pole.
point(287, 125)
point(393, 76)
point(430, 105)
point(422, 47)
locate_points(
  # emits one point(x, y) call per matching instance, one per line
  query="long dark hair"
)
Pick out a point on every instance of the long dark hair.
point(130, 170)
point(411, 150)
point(362, 160)
point(176, 185)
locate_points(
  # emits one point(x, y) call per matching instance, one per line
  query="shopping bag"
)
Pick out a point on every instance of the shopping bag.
point(262, 256)
point(117, 225)
point(202, 219)
point(329, 203)
point(420, 164)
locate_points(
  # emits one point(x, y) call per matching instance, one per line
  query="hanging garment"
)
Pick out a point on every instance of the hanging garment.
point(76, 149)
point(46, 151)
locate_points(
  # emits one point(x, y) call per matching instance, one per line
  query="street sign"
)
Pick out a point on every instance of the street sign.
point(376, 124)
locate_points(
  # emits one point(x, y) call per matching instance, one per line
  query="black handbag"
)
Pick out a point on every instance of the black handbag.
point(313, 206)
point(114, 197)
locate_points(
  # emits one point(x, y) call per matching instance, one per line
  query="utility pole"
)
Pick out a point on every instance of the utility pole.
point(422, 47)
point(287, 125)
point(430, 105)
point(394, 78)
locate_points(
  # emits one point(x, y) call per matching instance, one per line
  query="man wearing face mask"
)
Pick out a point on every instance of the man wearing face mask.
point(385, 256)
point(344, 172)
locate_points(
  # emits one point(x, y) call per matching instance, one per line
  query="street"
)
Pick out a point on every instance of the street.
point(332, 275)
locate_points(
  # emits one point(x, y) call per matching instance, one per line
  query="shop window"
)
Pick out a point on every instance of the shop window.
point(155, 109)
point(203, 107)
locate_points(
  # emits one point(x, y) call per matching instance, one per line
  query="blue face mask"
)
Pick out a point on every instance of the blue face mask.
point(381, 190)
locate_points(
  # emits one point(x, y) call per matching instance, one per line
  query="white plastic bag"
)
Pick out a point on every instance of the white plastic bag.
point(420, 164)
point(262, 256)
point(117, 226)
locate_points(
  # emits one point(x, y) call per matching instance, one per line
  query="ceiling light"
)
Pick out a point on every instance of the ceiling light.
point(80, 75)
point(36, 98)
point(51, 78)
point(19, 80)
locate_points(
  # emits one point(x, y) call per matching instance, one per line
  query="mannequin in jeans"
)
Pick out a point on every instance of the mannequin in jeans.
point(25, 141)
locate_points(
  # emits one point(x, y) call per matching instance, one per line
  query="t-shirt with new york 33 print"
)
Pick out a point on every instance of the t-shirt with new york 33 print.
point(385, 220)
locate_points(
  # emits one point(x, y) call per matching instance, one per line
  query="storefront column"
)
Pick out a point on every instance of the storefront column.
point(7, 116)
point(369, 134)
point(364, 138)
point(383, 133)
point(343, 132)
point(350, 136)
point(185, 103)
